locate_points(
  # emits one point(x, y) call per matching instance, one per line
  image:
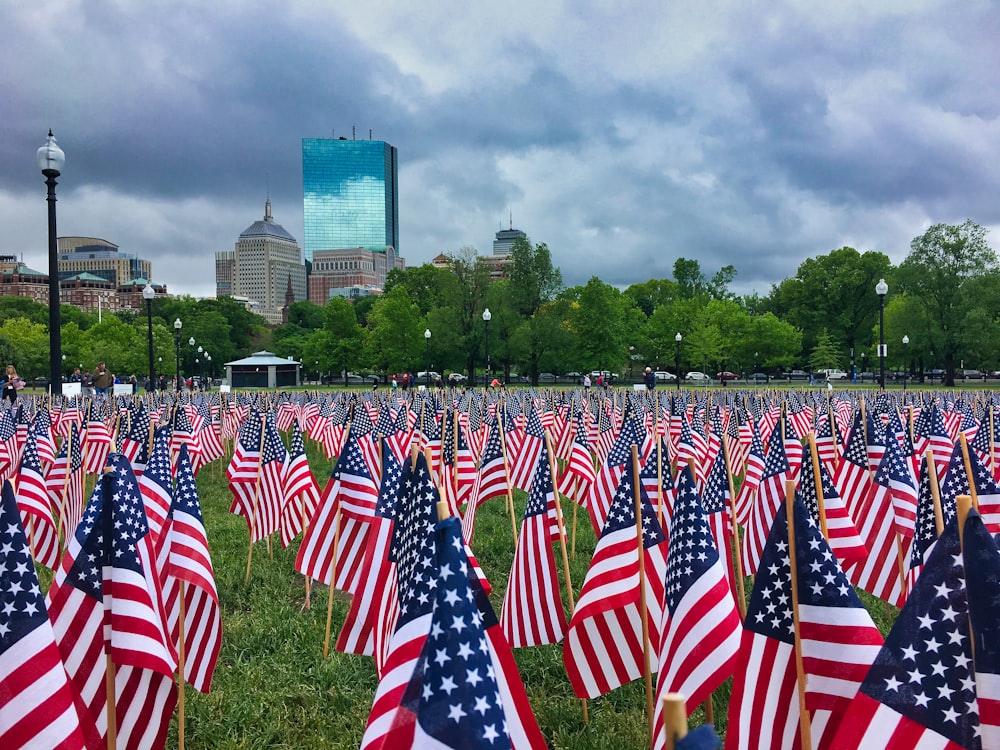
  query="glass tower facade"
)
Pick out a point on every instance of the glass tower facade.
point(350, 198)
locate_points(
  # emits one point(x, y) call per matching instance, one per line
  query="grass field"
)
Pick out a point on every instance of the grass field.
point(273, 689)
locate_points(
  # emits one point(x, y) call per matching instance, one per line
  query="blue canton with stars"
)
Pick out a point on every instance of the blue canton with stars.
point(112, 524)
point(982, 565)
point(621, 514)
point(924, 671)
point(22, 606)
point(541, 488)
point(388, 491)
point(769, 611)
point(459, 702)
point(807, 489)
point(621, 451)
point(692, 550)
point(821, 580)
point(186, 494)
point(777, 460)
point(715, 496)
point(412, 545)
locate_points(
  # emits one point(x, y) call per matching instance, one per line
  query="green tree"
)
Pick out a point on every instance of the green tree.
point(825, 354)
point(395, 339)
point(598, 320)
point(30, 344)
point(946, 266)
point(833, 292)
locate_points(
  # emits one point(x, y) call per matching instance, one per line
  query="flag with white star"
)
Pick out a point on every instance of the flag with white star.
point(37, 709)
point(982, 567)
point(921, 690)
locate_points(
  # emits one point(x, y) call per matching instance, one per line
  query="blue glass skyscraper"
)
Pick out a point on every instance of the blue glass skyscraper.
point(350, 198)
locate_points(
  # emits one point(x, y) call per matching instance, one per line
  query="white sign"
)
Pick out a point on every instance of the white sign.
point(71, 389)
point(123, 389)
point(224, 388)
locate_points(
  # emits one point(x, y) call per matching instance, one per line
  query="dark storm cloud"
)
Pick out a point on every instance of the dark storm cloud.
point(727, 134)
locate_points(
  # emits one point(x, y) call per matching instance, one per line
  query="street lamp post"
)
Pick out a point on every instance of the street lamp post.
point(199, 371)
point(51, 160)
point(487, 317)
point(864, 368)
point(881, 289)
point(177, 353)
point(147, 294)
point(677, 359)
point(906, 368)
point(427, 369)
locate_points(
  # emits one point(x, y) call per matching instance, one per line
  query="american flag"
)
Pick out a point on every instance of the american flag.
point(96, 440)
point(925, 531)
point(413, 547)
point(983, 486)
point(881, 572)
point(190, 562)
point(156, 483)
point(100, 603)
point(932, 434)
point(841, 534)
point(987, 442)
point(243, 472)
point(185, 434)
point(895, 475)
point(764, 706)
point(491, 479)
point(837, 637)
point(701, 626)
point(753, 473)
point(532, 613)
point(828, 443)
point(64, 483)
point(41, 428)
point(372, 613)
point(853, 476)
point(619, 462)
point(37, 710)
point(458, 468)
point(36, 510)
point(134, 445)
point(770, 496)
point(982, 569)
point(208, 437)
point(920, 692)
point(452, 699)
point(716, 501)
point(273, 471)
point(604, 646)
point(302, 493)
point(529, 448)
point(579, 475)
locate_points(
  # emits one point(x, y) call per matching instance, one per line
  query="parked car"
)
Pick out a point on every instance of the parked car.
point(662, 376)
point(40, 382)
point(835, 374)
point(758, 377)
point(726, 375)
point(971, 374)
point(423, 375)
point(594, 375)
point(457, 377)
point(576, 377)
point(698, 378)
point(796, 375)
point(934, 374)
point(546, 377)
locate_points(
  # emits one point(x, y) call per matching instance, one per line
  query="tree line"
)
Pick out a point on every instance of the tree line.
point(944, 297)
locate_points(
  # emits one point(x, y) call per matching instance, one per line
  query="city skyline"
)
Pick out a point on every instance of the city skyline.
point(623, 137)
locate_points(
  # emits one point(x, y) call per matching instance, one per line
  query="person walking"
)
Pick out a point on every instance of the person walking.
point(586, 382)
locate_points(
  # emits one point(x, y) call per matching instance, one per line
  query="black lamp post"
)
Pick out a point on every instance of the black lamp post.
point(881, 289)
point(677, 358)
point(177, 352)
point(51, 160)
point(148, 294)
point(427, 370)
point(487, 317)
point(864, 368)
point(906, 367)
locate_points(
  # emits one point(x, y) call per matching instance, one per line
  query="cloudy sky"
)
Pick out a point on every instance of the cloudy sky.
point(622, 134)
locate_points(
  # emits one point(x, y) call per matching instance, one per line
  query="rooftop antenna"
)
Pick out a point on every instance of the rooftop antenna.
point(369, 134)
point(511, 219)
point(353, 134)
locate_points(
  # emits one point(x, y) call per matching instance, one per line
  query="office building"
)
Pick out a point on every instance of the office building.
point(100, 258)
point(350, 196)
point(352, 273)
point(264, 262)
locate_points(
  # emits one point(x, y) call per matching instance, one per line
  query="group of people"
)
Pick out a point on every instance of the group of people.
point(99, 382)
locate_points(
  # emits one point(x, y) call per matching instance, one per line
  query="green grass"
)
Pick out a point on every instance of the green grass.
point(273, 688)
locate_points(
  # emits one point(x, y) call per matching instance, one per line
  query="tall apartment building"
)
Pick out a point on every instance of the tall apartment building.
point(262, 264)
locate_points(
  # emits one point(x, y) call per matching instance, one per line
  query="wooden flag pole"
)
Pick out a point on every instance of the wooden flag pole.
point(804, 728)
point(675, 726)
point(506, 473)
point(333, 559)
point(817, 479)
point(741, 594)
point(256, 495)
point(968, 470)
point(108, 491)
point(643, 611)
point(935, 491)
point(180, 667)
